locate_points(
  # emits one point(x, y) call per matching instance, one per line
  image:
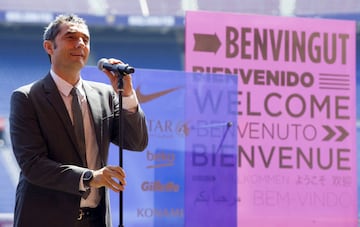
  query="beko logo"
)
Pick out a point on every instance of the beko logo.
point(160, 159)
point(157, 186)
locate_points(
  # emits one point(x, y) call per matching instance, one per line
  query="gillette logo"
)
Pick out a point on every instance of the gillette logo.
point(157, 186)
point(160, 159)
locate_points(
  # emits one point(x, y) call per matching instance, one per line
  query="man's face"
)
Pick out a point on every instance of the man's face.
point(71, 47)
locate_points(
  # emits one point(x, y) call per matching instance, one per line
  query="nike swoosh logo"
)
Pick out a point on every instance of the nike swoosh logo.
point(143, 98)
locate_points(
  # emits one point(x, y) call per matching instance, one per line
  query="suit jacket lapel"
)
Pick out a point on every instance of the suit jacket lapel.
point(54, 97)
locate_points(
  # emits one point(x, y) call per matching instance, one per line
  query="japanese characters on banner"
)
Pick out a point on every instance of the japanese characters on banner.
point(296, 134)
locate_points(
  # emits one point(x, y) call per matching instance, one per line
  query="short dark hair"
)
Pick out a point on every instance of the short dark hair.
point(53, 29)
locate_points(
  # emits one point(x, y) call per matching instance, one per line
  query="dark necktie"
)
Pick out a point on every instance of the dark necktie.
point(78, 124)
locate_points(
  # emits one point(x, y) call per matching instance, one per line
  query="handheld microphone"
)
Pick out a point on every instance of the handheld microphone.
point(103, 63)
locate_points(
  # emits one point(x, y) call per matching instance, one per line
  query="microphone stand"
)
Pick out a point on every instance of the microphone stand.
point(121, 139)
point(228, 125)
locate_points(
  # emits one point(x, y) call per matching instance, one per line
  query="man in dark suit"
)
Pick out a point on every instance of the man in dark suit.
point(63, 181)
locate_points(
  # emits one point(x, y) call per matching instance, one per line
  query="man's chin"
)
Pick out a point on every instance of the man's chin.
point(81, 62)
point(78, 65)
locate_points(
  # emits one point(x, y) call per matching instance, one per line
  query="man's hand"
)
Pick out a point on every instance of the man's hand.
point(112, 177)
point(128, 86)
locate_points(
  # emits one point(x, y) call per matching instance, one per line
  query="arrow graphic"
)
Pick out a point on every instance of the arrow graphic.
point(331, 133)
point(343, 132)
point(206, 43)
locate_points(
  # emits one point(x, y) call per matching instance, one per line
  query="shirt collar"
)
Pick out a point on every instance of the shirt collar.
point(64, 87)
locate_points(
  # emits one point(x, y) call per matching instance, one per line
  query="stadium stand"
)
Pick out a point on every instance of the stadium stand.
point(178, 7)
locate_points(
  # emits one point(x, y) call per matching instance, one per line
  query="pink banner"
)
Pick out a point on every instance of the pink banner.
point(296, 129)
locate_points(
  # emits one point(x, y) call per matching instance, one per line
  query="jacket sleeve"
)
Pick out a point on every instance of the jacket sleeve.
point(135, 133)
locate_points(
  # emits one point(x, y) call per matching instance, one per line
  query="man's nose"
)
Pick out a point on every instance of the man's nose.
point(80, 43)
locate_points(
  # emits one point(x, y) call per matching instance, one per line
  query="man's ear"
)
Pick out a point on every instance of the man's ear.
point(48, 46)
